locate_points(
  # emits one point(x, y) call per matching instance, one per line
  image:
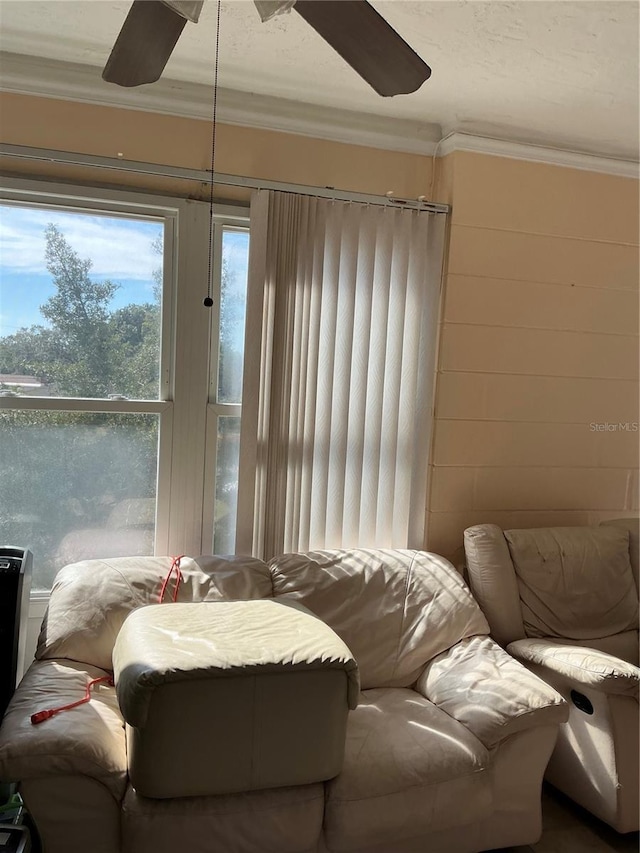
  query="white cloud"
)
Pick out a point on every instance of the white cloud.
point(118, 248)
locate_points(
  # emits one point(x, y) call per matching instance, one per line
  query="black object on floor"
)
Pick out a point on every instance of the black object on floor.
point(14, 839)
point(15, 585)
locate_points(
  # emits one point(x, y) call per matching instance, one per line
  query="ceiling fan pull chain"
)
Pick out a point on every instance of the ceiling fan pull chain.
point(208, 301)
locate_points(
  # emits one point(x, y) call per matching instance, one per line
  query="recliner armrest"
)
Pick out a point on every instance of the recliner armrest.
point(86, 741)
point(489, 692)
point(586, 667)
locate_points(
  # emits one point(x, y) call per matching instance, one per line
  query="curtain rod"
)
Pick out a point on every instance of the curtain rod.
point(203, 176)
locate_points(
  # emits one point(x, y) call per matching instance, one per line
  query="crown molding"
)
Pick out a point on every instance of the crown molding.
point(77, 82)
point(83, 83)
point(457, 141)
point(336, 125)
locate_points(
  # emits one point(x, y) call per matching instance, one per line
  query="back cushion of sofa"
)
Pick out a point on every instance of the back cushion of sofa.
point(90, 600)
point(574, 582)
point(395, 609)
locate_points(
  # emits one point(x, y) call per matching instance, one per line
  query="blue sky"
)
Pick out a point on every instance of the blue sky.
point(121, 250)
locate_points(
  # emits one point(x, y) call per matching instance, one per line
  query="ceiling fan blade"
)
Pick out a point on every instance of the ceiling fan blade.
point(368, 43)
point(189, 9)
point(144, 45)
point(268, 9)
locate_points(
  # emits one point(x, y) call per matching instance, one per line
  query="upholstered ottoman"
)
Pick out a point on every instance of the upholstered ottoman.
point(232, 696)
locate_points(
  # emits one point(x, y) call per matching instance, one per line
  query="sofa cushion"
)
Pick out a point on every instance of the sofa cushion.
point(480, 685)
point(88, 740)
point(394, 609)
point(409, 769)
point(574, 582)
point(91, 599)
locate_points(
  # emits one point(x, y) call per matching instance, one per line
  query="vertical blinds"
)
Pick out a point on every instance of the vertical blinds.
point(341, 338)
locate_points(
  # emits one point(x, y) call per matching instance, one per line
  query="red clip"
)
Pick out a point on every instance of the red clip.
point(41, 716)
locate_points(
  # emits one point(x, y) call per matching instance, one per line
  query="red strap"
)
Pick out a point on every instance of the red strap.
point(175, 565)
point(41, 716)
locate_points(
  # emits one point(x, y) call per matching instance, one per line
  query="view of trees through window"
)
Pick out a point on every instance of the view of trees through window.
point(77, 323)
point(86, 349)
point(77, 485)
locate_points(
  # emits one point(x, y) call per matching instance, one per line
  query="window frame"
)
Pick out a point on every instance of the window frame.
point(215, 409)
point(189, 350)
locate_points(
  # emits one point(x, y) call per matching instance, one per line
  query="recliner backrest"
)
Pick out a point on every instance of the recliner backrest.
point(395, 609)
point(574, 582)
point(633, 526)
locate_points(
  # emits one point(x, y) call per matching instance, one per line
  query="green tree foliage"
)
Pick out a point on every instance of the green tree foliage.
point(79, 315)
point(31, 352)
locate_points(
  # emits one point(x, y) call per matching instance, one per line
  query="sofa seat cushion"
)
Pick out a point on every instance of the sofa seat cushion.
point(574, 582)
point(85, 741)
point(409, 769)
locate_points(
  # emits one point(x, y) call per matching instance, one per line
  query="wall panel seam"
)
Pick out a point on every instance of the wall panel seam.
point(558, 329)
point(623, 243)
point(476, 373)
point(522, 421)
point(537, 375)
point(567, 284)
point(623, 513)
point(478, 466)
point(555, 331)
point(598, 468)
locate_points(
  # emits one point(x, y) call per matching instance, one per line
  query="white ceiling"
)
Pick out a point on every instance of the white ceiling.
point(561, 73)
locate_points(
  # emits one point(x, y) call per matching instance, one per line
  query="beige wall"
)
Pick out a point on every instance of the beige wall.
point(153, 138)
point(539, 340)
point(540, 328)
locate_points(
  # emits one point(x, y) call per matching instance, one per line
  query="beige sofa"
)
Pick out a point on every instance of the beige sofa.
point(564, 601)
point(445, 751)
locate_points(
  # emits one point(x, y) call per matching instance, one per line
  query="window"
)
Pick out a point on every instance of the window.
point(231, 245)
point(107, 442)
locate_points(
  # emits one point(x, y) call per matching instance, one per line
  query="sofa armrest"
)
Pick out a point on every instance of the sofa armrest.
point(86, 741)
point(585, 667)
point(489, 692)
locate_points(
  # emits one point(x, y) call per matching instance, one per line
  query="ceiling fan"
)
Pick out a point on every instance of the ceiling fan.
point(352, 27)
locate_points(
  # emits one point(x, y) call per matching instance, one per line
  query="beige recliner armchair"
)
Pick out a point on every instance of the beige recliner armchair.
point(564, 601)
